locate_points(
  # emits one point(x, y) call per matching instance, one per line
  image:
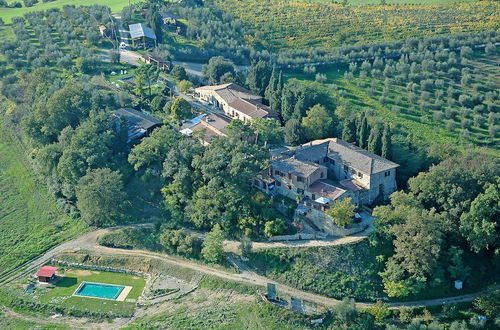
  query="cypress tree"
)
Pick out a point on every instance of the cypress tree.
point(349, 130)
point(271, 87)
point(375, 141)
point(363, 132)
point(278, 93)
point(386, 143)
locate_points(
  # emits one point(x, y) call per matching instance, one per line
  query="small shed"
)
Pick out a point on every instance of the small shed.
point(169, 18)
point(159, 62)
point(46, 274)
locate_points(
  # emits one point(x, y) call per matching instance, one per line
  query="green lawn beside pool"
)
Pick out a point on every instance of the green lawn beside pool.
point(70, 279)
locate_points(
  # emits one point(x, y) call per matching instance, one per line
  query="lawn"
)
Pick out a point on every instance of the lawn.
point(30, 220)
point(8, 13)
point(72, 278)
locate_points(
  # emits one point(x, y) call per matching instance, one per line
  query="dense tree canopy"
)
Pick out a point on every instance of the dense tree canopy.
point(101, 197)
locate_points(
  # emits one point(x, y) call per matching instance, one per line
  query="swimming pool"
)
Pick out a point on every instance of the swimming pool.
point(99, 290)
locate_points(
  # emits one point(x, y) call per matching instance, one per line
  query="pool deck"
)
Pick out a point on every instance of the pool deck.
point(123, 295)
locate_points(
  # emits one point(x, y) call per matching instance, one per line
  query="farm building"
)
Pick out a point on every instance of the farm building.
point(139, 124)
point(46, 274)
point(106, 32)
point(142, 36)
point(169, 18)
point(159, 62)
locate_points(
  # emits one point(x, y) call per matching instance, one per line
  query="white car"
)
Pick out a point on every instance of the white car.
point(123, 45)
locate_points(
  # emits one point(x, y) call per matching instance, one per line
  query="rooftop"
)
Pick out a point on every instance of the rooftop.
point(138, 122)
point(351, 155)
point(213, 124)
point(47, 271)
point(230, 92)
point(295, 166)
point(252, 108)
point(140, 30)
point(326, 188)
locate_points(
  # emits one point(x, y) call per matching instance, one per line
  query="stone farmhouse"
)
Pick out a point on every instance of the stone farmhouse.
point(236, 102)
point(322, 172)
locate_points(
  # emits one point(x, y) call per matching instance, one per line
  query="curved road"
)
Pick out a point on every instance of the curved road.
point(88, 241)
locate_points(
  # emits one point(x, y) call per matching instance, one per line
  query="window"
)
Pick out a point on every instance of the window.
point(278, 183)
point(388, 173)
point(321, 175)
point(289, 176)
point(360, 175)
point(346, 168)
point(325, 160)
point(313, 196)
point(300, 179)
point(331, 161)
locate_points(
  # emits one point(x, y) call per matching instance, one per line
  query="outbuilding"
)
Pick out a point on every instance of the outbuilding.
point(46, 274)
point(142, 36)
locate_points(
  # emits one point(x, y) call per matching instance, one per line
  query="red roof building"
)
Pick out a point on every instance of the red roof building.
point(46, 273)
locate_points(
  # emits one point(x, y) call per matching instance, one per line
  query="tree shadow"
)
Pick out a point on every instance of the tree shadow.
point(66, 282)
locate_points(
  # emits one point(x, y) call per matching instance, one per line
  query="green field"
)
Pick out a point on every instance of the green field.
point(30, 221)
point(72, 278)
point(301, 23)
point(8, 13)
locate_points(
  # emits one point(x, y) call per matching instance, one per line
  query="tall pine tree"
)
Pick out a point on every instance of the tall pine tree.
point(363, 131)
point(349, 130)
point(386, 143)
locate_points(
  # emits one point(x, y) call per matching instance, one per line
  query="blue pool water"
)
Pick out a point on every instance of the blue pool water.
point(98, 290)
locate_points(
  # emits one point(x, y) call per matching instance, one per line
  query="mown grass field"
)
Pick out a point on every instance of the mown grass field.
point(301, 23)
point(30, 221)
point(8, 13)
point(72, 278)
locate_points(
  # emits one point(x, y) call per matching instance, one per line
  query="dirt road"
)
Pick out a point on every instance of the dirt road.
point(88, 241)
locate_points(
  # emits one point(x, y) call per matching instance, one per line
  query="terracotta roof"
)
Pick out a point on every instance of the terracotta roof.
point(252, 108)
point(326, 189)
point(47, 271)
point(213, 124)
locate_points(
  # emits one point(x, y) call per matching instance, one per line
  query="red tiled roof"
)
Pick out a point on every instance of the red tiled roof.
point(47, 271)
